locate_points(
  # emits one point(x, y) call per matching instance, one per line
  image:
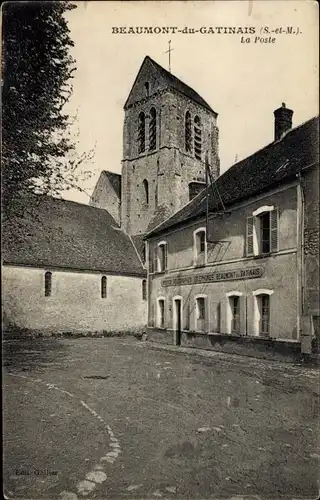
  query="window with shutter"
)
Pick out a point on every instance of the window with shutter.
point(249, 239)
point(274, 230)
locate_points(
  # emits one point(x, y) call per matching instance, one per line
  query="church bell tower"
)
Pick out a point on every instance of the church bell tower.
point(168, 130)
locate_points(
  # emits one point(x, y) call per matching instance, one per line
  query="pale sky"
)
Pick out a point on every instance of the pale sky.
point(243, 82)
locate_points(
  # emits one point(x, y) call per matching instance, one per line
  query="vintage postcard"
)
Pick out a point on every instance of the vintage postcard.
point(160, 202)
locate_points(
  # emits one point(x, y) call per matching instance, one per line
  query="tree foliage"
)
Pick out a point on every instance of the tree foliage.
point(38, 151)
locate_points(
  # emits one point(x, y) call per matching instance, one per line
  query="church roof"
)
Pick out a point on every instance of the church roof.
point(138, 241)
point(115, 181)
point(56, 233)
point(160, 214)
point(174, 83)
point(276, 163)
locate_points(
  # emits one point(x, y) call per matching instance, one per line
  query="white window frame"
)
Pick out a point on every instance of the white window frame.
point(195, 253)
point(206, 312)
point(174, 314)
point(158, 316)
point(162, 243)
point(229, 295)
point(256, 308)
point(256, 229)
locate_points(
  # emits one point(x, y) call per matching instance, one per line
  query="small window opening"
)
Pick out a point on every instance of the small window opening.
point(103, 287)
point(48, 284)
point(146, 191)
point(144, 289)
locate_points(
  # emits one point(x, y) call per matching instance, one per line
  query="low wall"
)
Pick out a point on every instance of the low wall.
point(231, 344)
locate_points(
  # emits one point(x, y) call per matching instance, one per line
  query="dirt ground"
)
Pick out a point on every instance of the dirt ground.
point(122, 418)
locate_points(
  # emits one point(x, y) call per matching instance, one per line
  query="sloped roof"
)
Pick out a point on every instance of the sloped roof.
point(115, 181)
point(160, 215)
point(65, 234)
point(276, 163)
point(175, 83)
point(138, 241)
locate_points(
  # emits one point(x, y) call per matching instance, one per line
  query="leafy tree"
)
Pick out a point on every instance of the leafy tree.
point(38, 150)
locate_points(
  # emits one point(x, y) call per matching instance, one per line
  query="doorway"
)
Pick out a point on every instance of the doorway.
point(177, 321)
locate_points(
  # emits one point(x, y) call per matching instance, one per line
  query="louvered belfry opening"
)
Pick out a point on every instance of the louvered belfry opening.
point(153, 130)
point(197, 138)
point(142, 133)
point(188, 133)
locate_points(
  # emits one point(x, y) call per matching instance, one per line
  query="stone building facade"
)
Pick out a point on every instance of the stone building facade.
point(249, 271)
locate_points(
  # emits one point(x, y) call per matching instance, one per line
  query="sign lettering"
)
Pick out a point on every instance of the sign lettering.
point(237, 274)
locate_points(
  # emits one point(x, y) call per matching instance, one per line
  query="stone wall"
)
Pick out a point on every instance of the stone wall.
point(75, 304)
point(168, 169)
point(310, 184)
point(104, 196)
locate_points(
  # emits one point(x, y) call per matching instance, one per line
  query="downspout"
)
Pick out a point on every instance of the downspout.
point(300, 261)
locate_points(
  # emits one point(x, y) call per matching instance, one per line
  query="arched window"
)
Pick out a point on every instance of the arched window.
point(144, 289)
point(142, 133)
point(234, 311)
point(160, 312)
point(261, 321)
point(47, 284)
point(161, 257)
point(201, 313)
point(104, 287)
point(146, 191)
point(153, 130)
point(187, 132)
point(200, 247)
point(197, 138)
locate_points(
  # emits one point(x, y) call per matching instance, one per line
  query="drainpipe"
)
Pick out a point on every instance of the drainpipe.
point(303, 328)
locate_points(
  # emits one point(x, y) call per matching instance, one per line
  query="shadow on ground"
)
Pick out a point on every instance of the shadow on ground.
point(28, 354)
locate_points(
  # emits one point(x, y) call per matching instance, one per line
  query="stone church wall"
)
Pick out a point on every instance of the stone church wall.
point(104, 196)
point(169, 169)
point(75, 304)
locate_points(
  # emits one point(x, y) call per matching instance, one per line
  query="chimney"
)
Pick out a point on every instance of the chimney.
point(282, 121)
